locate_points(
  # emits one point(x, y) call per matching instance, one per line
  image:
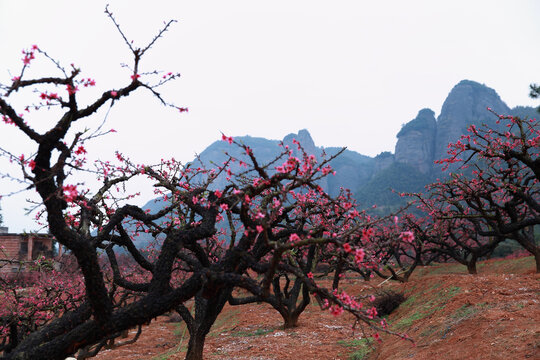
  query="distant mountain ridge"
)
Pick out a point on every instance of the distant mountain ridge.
point(352, 168)
point(420, 142)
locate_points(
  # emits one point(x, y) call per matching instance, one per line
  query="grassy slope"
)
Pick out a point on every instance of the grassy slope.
point(455, 315)
point(450, 315)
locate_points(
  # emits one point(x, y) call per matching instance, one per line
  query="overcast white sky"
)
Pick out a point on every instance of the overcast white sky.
point(351, 72)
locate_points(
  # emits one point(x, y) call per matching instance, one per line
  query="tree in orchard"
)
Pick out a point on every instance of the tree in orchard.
point(401, 244)
point(312, 216)
point(502, 197)
point(462, 239)
point(276, 223)
point(353, 257)
point(276, 213)
point(30, 299)
point(388, 248)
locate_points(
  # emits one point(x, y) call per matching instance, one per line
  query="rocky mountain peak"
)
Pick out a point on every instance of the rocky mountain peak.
point(425, 120)
point(416, 141)
point(466, 104)
point(305, 139)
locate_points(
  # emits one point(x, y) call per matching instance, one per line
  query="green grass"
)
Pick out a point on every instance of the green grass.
point(429, 330)
point(180, 330)
point(465, 312)
point(509, 266)
point(230, 319)
point(408, 302)
point(360, 348)
point(519, 265)
point(443, 269)
point(257, 332)
point(428, 308)
point(453, 291)
point(409, 320)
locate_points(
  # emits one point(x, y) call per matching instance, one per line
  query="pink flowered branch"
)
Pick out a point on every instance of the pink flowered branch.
point(276, 212)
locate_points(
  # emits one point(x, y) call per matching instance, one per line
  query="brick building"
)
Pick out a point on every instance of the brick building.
point(17, 250)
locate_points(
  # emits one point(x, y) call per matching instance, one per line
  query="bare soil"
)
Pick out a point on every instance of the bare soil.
point(448, 313)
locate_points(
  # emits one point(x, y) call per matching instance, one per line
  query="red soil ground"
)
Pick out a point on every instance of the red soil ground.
point(450, 315)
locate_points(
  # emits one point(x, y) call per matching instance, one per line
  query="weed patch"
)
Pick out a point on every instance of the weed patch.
point(227, 320)
point(180, 330)
point(256, 332)
point(438, 302)
point(409, 320)
point(360, 348)
point(409, 301)
point(464, 312)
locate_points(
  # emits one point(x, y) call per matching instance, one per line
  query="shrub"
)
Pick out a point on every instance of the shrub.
point(388, 301)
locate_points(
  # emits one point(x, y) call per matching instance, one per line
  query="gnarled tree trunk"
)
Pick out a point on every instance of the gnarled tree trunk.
point(207, 309)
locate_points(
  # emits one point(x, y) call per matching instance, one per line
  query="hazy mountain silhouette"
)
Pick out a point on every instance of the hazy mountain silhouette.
point(419, 142)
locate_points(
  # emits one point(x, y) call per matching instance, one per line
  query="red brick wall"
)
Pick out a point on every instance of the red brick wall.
point(10, 245)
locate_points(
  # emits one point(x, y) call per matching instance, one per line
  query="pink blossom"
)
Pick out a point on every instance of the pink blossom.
point(80, 150)
point(372, 313)
point(71, 90)
point(70, 192)
point(336, 310)
point(227, 138)
point(326, 170)
point(407, 236)
point(294, 237)
point(366, 234)
point(326, 304)
point(7, 119)
point(359, 255)
point(28, 56)
point(89, 82)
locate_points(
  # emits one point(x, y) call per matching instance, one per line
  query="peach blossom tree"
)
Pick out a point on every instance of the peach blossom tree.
point(495, 193)
point(276, 214)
